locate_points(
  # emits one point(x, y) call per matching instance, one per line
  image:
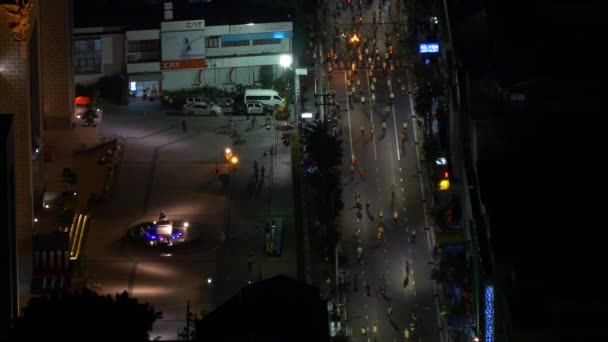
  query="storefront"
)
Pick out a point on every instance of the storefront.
point(145, 85)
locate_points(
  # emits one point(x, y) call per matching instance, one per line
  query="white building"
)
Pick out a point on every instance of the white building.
point(186, 53)
point(193, 55)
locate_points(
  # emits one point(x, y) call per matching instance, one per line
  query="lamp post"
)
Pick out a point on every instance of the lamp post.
point(286, 61)
point(234, 160)
point(228, 156)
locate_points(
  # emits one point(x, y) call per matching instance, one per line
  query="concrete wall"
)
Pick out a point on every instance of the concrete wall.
point(56, 68)
point(113, 57)
point(113, 54)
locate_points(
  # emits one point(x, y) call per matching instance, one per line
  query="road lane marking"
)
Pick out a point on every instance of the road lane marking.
point(371, 116)
point(350, 135)
point(395, 122)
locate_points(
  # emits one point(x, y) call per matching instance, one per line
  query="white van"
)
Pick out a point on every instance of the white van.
point(268, 97)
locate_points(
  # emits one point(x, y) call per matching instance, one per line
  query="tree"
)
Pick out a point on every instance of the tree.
point(325, 150)
point(85, 316)
point(267, 76)
point(89, 117)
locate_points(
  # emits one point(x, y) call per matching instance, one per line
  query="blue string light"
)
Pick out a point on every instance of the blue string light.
point(489, 314)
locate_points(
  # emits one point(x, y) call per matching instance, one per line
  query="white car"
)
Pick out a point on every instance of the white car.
point(199, 108)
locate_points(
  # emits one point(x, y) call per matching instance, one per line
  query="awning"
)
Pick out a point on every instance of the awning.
point(146, 76)
point(82, 100)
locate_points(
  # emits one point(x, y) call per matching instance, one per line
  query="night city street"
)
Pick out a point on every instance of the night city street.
point(302, 170)
point(385, 162)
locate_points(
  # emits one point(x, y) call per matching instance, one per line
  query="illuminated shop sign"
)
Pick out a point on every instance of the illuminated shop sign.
point(429, 48)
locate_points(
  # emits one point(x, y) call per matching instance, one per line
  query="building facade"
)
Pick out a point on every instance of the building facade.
point(181, 54)
point(98, 52)
point(36, 84)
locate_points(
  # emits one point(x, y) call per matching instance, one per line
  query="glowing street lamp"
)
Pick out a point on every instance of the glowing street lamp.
point(354, 39)
point(285, 60)
point(227, 153)
point(234, 160)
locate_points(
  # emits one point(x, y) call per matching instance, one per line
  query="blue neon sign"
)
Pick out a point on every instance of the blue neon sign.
point(428, 48)
point(489, 311)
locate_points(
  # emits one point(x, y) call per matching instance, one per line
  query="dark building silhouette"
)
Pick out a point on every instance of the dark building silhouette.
point(525, 103)
point(275, 309)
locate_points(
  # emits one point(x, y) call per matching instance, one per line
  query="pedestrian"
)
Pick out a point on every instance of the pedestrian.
point(262, 170)
point(184, 129)
point(255, 167)
point(389, 311)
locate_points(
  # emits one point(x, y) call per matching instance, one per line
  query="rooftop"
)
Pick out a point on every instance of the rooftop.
point(274, 309)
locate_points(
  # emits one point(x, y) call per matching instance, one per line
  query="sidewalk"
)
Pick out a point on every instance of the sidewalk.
point(251, 204)
point(320, 270)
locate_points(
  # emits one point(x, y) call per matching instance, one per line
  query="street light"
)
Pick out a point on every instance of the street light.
point(227, 153)
point(354, 39)
point(234, 160)
point(285, 60)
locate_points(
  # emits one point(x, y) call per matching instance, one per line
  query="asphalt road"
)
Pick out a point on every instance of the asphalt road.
point(385, 161)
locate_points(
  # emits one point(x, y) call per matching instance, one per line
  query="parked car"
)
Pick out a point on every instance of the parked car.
point(197, 99)
point(225, 102)
point(199, 108)
point(257, 108)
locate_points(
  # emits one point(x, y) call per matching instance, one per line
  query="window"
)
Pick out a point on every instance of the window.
point(87, 56)
point(212, 42)
point(236, 43)
point(265, 41)
point(143, 51)
point(143, 45)
point(257, 98)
